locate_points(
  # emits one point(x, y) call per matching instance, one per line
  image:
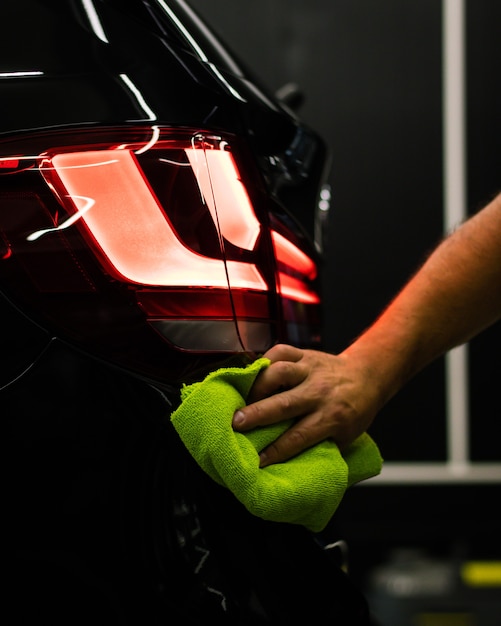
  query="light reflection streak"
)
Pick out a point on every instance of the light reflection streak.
point(19, 158)
point(67, 223)
point(186, 33)
point(203, 57)
point(176, 163)
point(69, 167)
point(220, 594)
point(94, 21)
point(20, 74)
point(41, 168)
point(139, 97)
point(154, 138)
point(230, 88)
point(215, 43)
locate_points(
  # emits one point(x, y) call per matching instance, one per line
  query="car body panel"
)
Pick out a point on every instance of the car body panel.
point(110, 520)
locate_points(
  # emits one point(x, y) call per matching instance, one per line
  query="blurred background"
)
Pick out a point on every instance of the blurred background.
point(407, 95)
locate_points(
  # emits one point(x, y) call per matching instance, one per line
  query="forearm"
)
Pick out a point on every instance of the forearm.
point(454, 296)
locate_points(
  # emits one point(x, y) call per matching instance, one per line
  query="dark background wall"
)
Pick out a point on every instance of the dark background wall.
point(371, 72)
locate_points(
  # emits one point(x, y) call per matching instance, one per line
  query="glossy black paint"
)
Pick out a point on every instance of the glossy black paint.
point(108, 519)
point(184, 75)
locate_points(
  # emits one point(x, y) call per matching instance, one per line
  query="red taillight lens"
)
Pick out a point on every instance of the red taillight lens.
point(112, 197)
point(138, 241)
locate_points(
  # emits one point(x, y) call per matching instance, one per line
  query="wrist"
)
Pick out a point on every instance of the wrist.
point(388, 358)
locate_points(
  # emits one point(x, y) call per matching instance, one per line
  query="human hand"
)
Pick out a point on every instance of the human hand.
point(330, 396)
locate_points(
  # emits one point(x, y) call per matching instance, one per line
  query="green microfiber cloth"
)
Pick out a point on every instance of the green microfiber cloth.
point(306, 489)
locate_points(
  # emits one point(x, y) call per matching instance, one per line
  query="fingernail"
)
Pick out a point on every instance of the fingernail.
point(263, 457)
point(238, 418)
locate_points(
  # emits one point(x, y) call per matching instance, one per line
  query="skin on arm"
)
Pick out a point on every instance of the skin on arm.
point(454, 296)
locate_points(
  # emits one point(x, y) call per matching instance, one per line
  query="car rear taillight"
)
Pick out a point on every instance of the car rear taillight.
point(137, 243)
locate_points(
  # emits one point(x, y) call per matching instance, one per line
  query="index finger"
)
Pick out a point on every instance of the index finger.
point(271, 409)
point(276, 377)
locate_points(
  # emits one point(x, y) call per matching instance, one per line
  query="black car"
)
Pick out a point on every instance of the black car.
point(160, 217)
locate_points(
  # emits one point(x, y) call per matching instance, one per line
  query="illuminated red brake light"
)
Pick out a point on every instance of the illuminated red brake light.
point(112, 197)
point(294, 260)
point(155, 236)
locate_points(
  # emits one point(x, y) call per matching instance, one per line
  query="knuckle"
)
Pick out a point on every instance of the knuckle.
point(275, 352)
point(295, 440)
point(297, 437)
point(288, 373)
point(286, 403)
